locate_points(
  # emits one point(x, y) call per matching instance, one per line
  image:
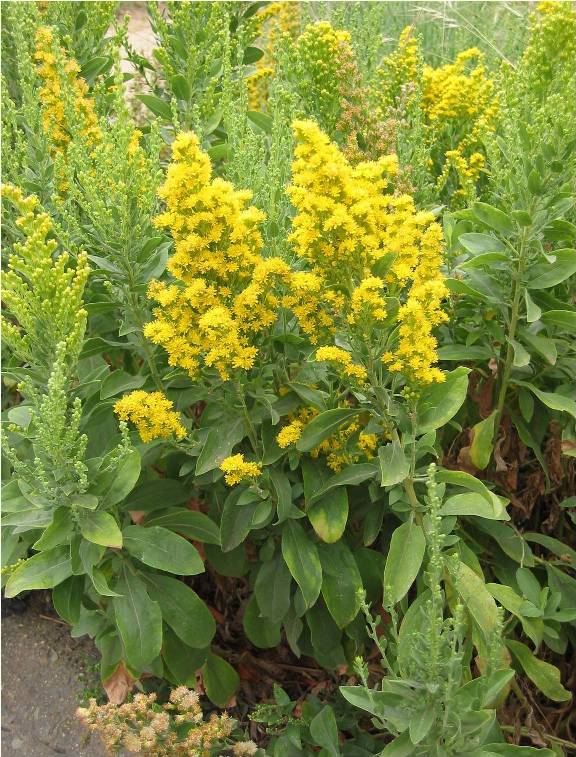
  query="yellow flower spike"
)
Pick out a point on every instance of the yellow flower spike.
point(59, 73)
point(152, 413)
point(226, 292)
point(236, 469)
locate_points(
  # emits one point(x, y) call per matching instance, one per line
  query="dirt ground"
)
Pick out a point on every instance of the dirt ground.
point(45, 676)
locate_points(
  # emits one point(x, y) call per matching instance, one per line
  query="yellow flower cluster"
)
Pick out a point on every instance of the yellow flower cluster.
point(226, 290)
point(455, 96)
point(338, 449)
point(43, 293)
point(452, 91)
point(61, 81)
point(236, 469)
point(419, 315)
point(400, 67)
point(276, 20)
point(346, 222)
point(343, 359)
point(152, 413)
point(344, 215)
point(290, 434)
point(366, 303)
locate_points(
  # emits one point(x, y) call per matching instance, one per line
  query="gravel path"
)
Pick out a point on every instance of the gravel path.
point(45, 675)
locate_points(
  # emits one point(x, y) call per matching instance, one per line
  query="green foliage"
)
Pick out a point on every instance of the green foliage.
point(361, 480)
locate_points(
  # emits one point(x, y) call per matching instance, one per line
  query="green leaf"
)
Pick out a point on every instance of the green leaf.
point(322, 426)
point(272, 589)
point(466, 481)
point(67, 597)
point(341, 582)
point(261, 120)
point(42, 571)
point(139, 621)
point(477, 599)
point(545, 676)
point(218, 445)
point(404, 560)
point(157, 106)
point(302, 559)
point(542, 345)
point(421, 723)
point(156, 495)
point(439, 403)
point(120, 381)
point(162, 549)
point(478, 244)
point(236, 522)
point(251, 55)
point(220, 680)
point(457, 352)
point(283, 494)
point(521, 355)
point(552, 400)
point(557, 547)
point(510, 541)
point(394, 466)
point(181, 87)
point(324, 731)
point(182, 661)
point(125, 479)
point(474, 504)
point(213, 121)
point(101, 584)
point(351, 475)
point(100, 527)
point(261, 631)
point(484, 260)
point(401, 747)
point(483, 441)
point(507, 597)
point(183, 610)
point(545, 275)
point(564, 319)
point(89, 501)
point(58, 532)
point(496, 219)
point(94, 67)
point(533, 312)
point(329, 515)
point(190, 523)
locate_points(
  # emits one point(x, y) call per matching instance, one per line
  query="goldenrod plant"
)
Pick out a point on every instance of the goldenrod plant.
point(288, 361)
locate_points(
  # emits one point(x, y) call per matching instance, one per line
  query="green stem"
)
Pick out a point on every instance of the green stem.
point(249, 425)
point(408, 485)
point(136, 314)
point(546, 736)
point(509, 359)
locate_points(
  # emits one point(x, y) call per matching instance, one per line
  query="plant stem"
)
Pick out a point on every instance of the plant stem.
point(408, 485)
point(509, 359)
point(249, 425)
point(546, 736)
